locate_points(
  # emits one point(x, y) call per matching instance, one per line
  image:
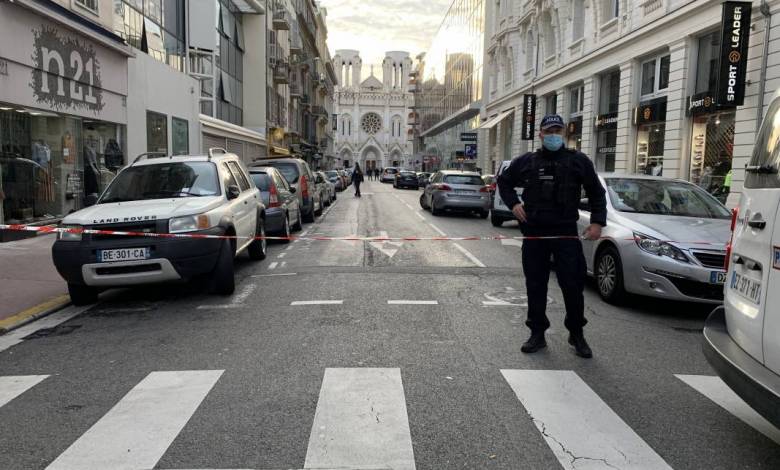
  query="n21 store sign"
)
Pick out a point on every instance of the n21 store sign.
point(66, 72)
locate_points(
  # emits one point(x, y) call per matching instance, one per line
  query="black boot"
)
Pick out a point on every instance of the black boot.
point(534, 343)
point(580, 345)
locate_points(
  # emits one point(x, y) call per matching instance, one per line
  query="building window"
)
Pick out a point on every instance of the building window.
point(578, 20)
point(371, 123)
point(609, 96)
point(508, 68)
point(551, 104)
point(180, 135)
point(549, 36)
point(609, 10)
point(91, 5)
point(576, 100)
point(655, 75)
point(707, 63)
point(530, 51)
point(156, 132)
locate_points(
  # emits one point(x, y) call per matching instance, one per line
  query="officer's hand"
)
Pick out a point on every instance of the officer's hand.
point(519, 211)
point(592, 232)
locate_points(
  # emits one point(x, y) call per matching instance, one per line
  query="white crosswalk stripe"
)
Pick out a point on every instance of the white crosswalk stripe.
point(136, 432)
point(13, 386)
point(580, 429)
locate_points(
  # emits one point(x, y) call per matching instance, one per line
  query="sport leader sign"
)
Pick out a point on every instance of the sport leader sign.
point(735, 34)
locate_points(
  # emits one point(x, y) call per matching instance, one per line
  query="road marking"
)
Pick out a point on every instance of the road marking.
point(419, 215)
point(440, 231)
point(511, 242)
point(235, 302)
point(580, 429)
point(500, 303)
point(274, 275)
point(361, 421)
point(17, 336)
point(283, 264)
point(412, 302)
point(716, 390)
point(138, 430)
point(388, 248)
point(282, 255)
point(298, 303)
point(272, 266)
point(469, 255)
point(13, 386)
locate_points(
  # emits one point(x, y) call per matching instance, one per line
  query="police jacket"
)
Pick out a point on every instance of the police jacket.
point(552, 184)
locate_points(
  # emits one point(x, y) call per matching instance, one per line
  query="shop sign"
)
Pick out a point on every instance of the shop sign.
point(575, 126)
point(529, 116)
point(735, 35)
point(470, 151)
point(650, 111)
point(468, 136)
point(701, 103)
point(607, 121)
point(604, 150)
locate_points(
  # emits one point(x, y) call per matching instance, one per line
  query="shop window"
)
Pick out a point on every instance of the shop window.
point(650, 149)
point(91, 5)
point(180, 136)
point(156, 132)
point(578, 20)
point(609, 96)
point(712, 152)
point(605, 150)
point(707, 63)
point(655, 75)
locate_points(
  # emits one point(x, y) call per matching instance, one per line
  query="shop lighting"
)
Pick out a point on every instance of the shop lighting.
point(4, 108)
point(21, 110)
point(34, 114)
point(717, 123)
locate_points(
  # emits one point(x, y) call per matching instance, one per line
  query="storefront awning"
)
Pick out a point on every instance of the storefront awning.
point(491, 123)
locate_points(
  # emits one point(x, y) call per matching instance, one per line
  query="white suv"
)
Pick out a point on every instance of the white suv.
point(197, 195)
point(742, 338)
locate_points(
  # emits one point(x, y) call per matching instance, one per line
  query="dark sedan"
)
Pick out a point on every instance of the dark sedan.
point(406, 179)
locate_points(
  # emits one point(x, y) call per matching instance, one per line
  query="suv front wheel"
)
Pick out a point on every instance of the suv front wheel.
point(224, 276)
point(82, 295)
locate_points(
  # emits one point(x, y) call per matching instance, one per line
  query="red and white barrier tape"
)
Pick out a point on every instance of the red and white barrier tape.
point(55, 229)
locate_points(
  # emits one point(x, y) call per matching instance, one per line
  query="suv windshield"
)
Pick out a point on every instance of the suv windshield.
point(766, 153)
point(464, 179)
point(663, 197)
point(163, 181)
point(288, 170)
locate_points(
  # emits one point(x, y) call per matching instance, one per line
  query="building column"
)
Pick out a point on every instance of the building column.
point(625, 145)
point(675, 147)
point(589, 110)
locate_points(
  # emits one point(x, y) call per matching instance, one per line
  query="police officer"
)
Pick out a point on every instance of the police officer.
point(552, 180)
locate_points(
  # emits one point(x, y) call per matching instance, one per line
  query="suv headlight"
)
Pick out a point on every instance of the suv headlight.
point(70, 236)
point(659, 248)
point(189, 223)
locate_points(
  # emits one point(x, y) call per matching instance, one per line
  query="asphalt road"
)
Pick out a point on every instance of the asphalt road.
point(361, 355)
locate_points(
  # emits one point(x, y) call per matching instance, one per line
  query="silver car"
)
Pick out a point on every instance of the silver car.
point(456, 190)
point(664, 238)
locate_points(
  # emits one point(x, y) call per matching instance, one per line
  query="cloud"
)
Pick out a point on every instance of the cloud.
point(376, 26)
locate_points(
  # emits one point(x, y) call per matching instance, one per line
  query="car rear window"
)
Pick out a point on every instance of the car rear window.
point(391, 171)
point(262, 181)
point(288, 170)
point(762, 171)
point(464, 179)
point(408, 173)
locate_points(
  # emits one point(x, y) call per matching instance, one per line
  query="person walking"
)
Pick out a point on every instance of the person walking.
point(552, 180)
point(357, 178)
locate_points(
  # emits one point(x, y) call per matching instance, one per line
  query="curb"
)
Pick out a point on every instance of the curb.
point(34, 313)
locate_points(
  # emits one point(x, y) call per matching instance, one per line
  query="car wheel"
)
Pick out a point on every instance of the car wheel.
point(434, 210)
point(287, 234)
point(318, 212)
point(483, 214)
point(609, 275)
point(82, 295)
point(309, 216)
point(422, 202)
point(496, 220)
point(258, 249)
point(299, 221)
point(224, 274)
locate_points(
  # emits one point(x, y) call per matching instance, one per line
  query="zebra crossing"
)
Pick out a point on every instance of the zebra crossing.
point(361, 420)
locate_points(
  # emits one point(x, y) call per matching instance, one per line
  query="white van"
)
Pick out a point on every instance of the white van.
point(742, 338)
point(499, 212)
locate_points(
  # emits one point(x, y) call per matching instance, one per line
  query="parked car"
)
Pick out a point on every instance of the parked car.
point(299, 176)
point(282, 209)
point(742, 337)
point(490, 180)
point(406, 179)
point(182, 194)
point(664, 238)
point(499, 212)
point(456, 190)
point(335, 178)
point(346, 177)
point(326, 188)
point(423, 179)
point(388, 174)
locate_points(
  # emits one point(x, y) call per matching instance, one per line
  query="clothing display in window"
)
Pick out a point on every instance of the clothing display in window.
point(68, 148)
point(113, 156)
point(41, 154)
point(91, 172)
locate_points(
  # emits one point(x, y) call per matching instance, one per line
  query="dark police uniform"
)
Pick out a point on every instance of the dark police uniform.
point(552, 184)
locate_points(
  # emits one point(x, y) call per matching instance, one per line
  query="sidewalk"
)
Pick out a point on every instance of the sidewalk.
point(29, 283)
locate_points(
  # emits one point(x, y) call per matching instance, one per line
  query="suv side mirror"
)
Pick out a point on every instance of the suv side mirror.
point(233, 192)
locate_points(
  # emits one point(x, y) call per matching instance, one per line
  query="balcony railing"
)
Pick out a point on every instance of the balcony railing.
point(281, 72)
point(282, 18)
point(277, 109)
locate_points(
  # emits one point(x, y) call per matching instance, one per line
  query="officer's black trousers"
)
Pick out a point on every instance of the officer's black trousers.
point(570, 270)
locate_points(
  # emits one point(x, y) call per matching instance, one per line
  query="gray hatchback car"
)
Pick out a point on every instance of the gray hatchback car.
point(283, 211)
point(456, 190)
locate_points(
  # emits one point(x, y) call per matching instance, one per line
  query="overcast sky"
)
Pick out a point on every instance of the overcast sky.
point(376, 26)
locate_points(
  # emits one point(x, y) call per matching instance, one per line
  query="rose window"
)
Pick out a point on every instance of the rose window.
point(371, 123)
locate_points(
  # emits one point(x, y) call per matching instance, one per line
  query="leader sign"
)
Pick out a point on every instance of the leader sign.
point(733, 53)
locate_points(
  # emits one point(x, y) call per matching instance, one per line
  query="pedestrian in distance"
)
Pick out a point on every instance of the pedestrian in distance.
point(552, 179)
point(376, 173)
point(357, 178)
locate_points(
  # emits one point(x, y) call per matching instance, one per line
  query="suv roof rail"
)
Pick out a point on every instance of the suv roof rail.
point(148, 155)
point(216, 151)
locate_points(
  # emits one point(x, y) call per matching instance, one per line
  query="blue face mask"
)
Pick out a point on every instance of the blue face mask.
point(552, 142)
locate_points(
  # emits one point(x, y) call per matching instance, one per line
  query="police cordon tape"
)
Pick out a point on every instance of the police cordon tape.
point(54, 229)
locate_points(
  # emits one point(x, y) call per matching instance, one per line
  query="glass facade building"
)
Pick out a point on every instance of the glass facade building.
point(156, 27)
point(450, 83)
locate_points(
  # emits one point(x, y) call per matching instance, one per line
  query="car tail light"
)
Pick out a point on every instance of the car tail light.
point(485, 189)
point(734, 218)
point(274, 197)
point(442, 187)
point(304, 187)
point(492, 187)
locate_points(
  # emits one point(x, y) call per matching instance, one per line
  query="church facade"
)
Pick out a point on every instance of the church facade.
point(372, 115)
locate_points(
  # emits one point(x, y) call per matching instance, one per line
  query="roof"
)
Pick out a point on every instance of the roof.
point(155, 158)
point(460, 172)
point(371, 82)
